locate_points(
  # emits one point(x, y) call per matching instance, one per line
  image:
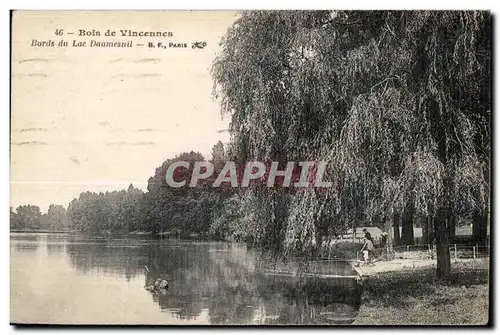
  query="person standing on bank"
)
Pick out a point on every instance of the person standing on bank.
point(368, 250)
point(368, 236)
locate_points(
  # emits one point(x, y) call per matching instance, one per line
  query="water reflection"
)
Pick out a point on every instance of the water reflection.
point(224, 283)
point(26, 247)
point(311, 300)
point(122, 257)
point(24, 242)
point(228, 282)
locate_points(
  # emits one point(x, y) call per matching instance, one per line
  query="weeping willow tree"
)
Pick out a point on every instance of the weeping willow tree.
point(397, 103)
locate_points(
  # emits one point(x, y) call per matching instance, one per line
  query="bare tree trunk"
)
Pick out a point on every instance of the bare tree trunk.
point(452, 223)
point(273, 240)
point(395, 225)
point(407, 228)
point(389, 248)
point(319, 245)
point(443, 270)
point(480, 228)
point(390, 235)
point(354, 232)
point(430, 229)
point(425, 230)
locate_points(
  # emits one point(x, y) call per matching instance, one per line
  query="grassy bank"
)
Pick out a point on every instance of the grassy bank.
point(416, 297)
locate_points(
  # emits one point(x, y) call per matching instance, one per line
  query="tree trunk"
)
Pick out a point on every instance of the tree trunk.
point(407, 228)
point(395, 225)
point(443, 270)
point(319, 245)
point(425, 230)
point(452, 222)
point(354, 233)
point(430, 230)
point(480, 228)
point(389, 248)
point(377, 222)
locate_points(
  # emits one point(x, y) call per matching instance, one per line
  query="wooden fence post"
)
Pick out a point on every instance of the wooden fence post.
point(474, 252)
point(456, 252)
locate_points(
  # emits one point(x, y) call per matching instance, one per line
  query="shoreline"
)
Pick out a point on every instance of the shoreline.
point(415, 297)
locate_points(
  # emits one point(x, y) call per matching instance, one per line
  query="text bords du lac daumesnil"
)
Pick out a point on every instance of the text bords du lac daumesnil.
point(105, 33)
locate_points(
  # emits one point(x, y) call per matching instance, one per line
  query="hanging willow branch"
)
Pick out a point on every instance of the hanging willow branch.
point(397, 103)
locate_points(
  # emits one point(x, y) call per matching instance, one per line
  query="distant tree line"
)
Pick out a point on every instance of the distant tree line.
point(176, 212)
point(30, 218)
point(108, 212)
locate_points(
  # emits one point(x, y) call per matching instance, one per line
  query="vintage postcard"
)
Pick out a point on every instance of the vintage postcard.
point(250, 168)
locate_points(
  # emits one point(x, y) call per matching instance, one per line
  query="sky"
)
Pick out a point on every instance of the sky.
point(98, 119)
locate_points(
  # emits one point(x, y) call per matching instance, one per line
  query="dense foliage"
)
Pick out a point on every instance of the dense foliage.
point(117, 211)
point(25, 217)
point(397, 103)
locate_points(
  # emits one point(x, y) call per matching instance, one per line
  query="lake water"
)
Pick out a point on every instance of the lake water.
point(73, 279)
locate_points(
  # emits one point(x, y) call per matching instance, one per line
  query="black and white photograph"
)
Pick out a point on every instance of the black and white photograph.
point(251, 168)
